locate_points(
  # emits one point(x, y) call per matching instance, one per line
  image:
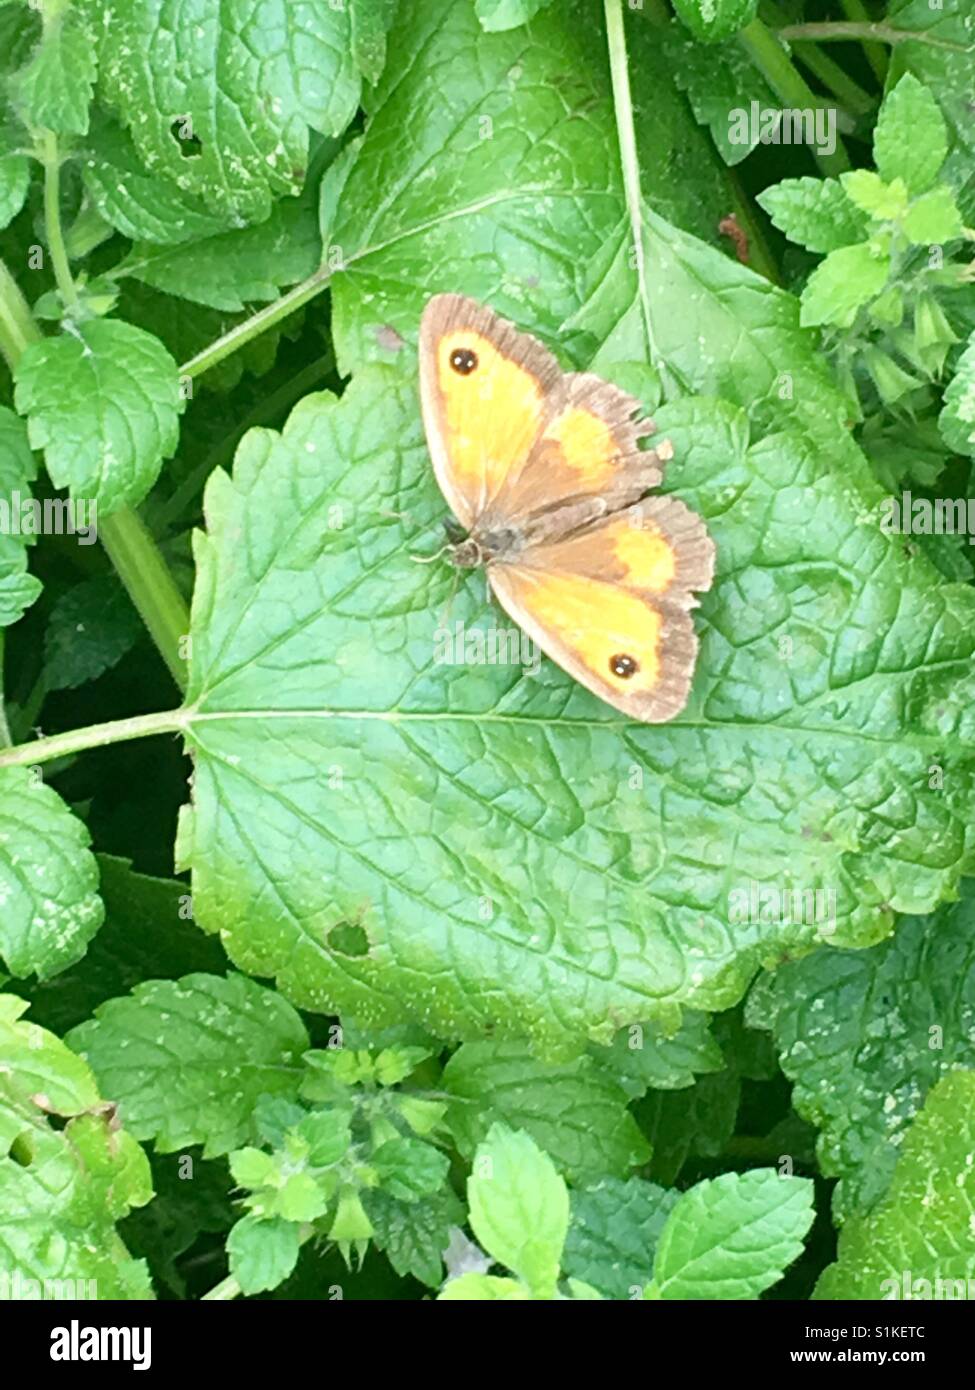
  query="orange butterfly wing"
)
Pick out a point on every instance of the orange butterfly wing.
point(510, 433)
point(601, 581)
point(612, 603)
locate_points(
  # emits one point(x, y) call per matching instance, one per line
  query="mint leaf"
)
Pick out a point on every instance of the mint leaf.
point(186, 1060)
point(409, 1169)
point(370, 21)
point(865, 1035)
point(933, 218)
point(414, 1235)
point(224, 109)
point(918, 1242)
point(943, 66)
point(262, 1252)
point(363, 693)
point(54, 90)
point(576, 1111)
point(91, 627)
point(49, 906)
point(640, 1058)
point(496, 15)
point(842, 284)
point(18, 589)
point(714, 20)
point(910, 140)
point(148, 931)
point(879, 200)
point(62, 1190)
point(732, 1236)
point(144, 205)
point(234, 268)
point(14, 183)
point(519, 1208)
point(614, 1232)
point(721, 83)
point(484, 1288)
point(816, 213)
point(102, 401)
point(957, 419)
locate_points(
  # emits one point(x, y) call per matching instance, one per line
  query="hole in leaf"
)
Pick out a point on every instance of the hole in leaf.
point(190, 145)
point(349, 939)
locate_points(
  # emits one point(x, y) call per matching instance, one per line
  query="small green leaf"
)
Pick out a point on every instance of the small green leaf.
point(232, 269)
point(483, 1288)
point(14, 182)
point(103, 403)
point(414, 1235)
point(91, 627)
point(733, 1236)
point(714, 20)
point(614, 1233)
point(816, 213)
point(327, 1134)
point(519, 1207)
point(187, 1059)
point(910, 140)
point(18, 588)
point(409, 1169)
point(957, 419)
point(49, 903)
point(497, 15)
point(841, 284)
point(62, 1189)
point(54, 90)
point(867, 191)
point(933, 218)
point(576, 1111)
point(262, 1253)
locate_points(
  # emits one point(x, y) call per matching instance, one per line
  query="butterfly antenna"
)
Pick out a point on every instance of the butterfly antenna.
point(429, 559)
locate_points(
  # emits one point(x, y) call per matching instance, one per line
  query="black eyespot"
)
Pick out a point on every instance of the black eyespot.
point(623, 666)
point(463, 361)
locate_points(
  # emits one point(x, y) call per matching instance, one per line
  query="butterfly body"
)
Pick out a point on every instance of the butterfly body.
point(543, 471)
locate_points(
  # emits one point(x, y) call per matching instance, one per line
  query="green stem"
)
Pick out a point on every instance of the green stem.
point(253, 327)
point(775, 65)
point(875, 55)
point(852, 96)
point(46, 750)
point(838, 32)
point(52, 222)
point(18, 327)
point(629, 161)
point(151, 587)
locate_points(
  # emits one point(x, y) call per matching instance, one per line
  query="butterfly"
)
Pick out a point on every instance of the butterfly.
point(543, 471)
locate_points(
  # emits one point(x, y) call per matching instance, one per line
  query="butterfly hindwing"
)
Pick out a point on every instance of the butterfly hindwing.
point(611, 604)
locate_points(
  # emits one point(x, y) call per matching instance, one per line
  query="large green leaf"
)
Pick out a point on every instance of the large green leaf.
point(220, 99)
point(62, 1189)
point(866, 1034)
point(480, 848)
point(921, 1233)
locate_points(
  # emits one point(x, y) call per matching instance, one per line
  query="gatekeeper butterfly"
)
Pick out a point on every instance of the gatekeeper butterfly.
point(543, 471)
